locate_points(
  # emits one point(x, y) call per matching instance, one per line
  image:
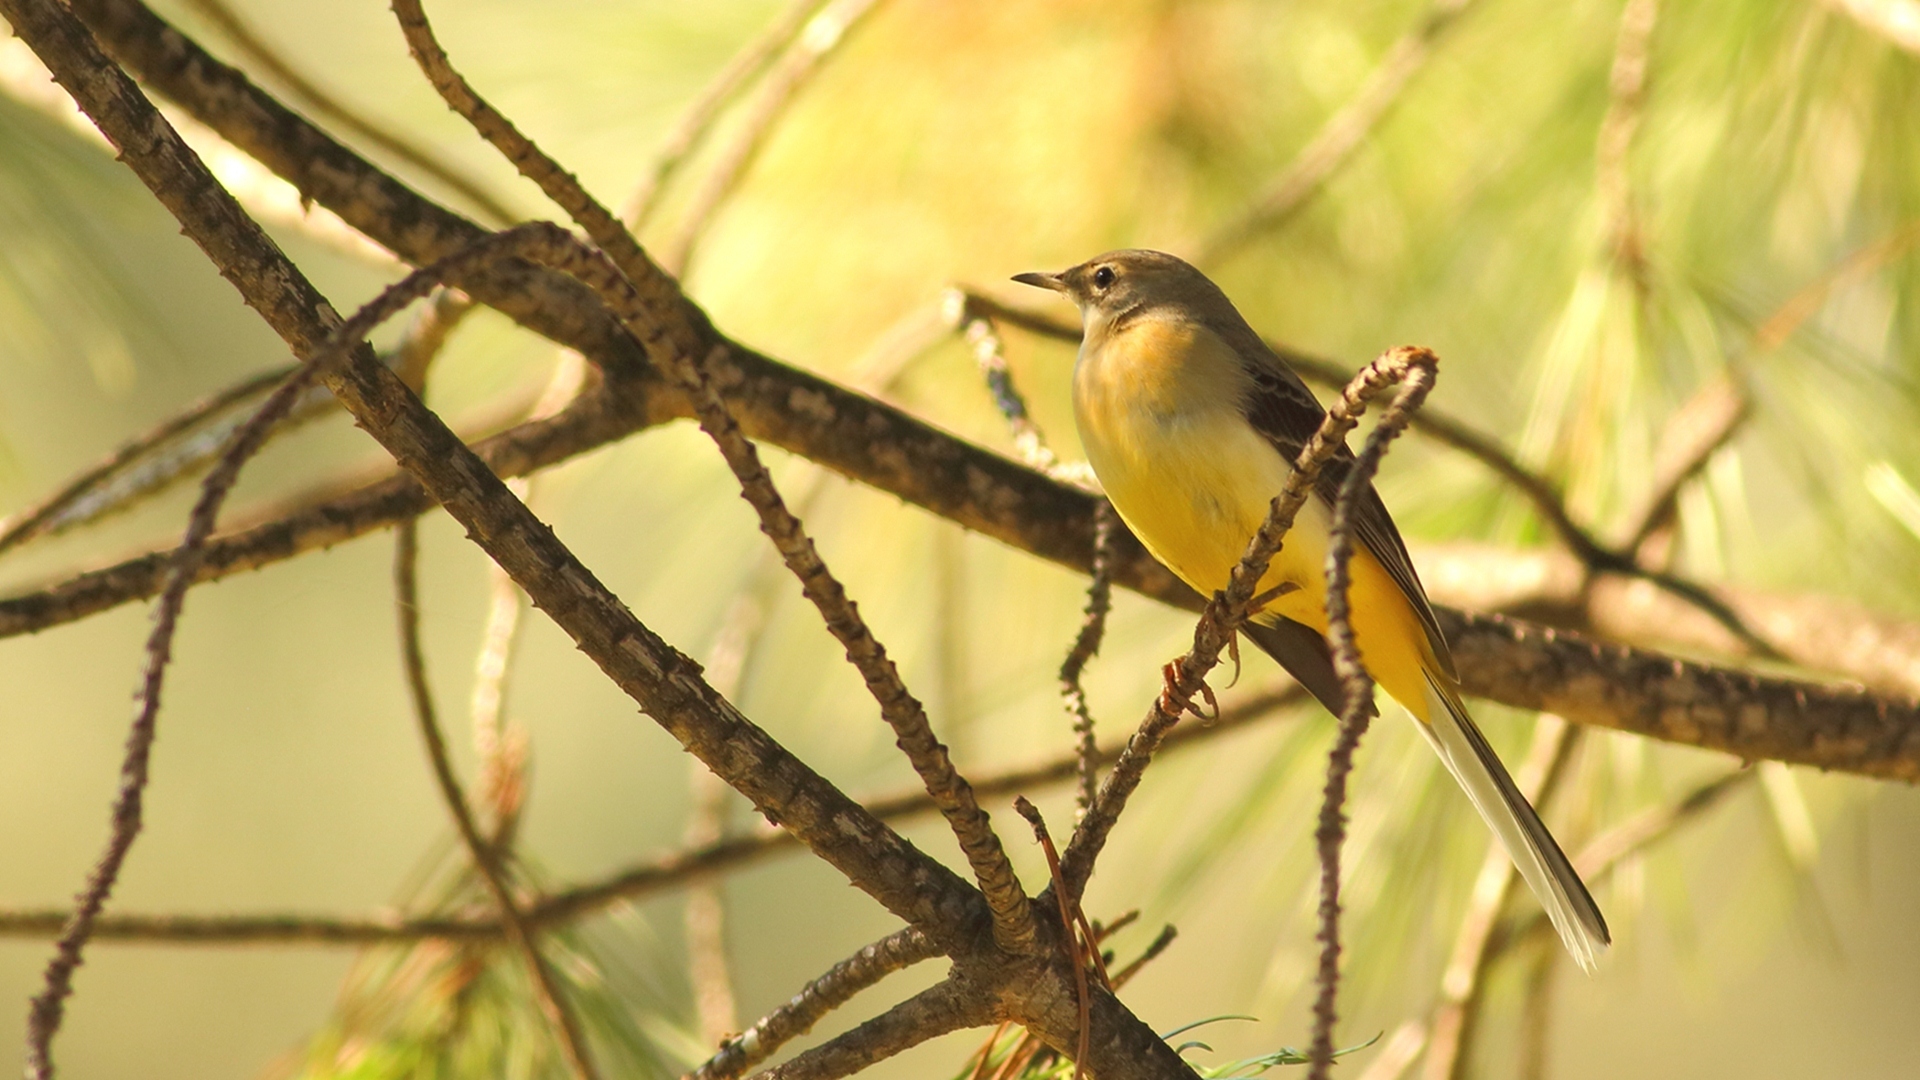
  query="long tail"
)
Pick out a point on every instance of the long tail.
point(1534, 851)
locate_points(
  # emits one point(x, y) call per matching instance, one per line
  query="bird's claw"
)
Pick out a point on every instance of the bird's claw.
point(1170, 676)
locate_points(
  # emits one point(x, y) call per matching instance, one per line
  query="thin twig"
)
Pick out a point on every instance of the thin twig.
point(1071, 921)
point(1696, 431)
point(1223, 614)
point(804, 57)
point(50, 514)
point(705, 912)
point(974, 319)
point(500, 747)
point(1536, 1011)
point(667, 872)
point(1415, 371)
point(1338, 137)
point(195, 437)
point(43, 1019)
point(1806, 302)
point(1398, 1053)
point(1158, 945)
point(700, 119)
point(897, 951)
point(486, 858)
point(944, 1007)
point(1627, 87)
point(305, 90)
point(1086, 645)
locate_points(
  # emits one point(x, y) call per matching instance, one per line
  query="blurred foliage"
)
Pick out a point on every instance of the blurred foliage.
point(947, 143)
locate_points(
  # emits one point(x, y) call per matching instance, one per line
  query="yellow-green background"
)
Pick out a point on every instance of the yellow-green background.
point(949, 143)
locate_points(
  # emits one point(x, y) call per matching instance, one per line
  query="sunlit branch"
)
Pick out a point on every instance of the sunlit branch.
point(58, 511)
point(1694, 434)
point(1896, 20)
point(194, 438)
point(306, 91)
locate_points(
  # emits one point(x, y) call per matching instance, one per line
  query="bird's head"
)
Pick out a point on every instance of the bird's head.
point(1129, 283)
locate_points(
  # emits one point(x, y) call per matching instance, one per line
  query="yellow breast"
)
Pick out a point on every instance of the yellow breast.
point(1158, 406)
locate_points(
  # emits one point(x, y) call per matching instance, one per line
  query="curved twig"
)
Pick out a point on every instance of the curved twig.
point(1086, 644)
point(1414, 370)
point(618, 277)
point(486, 857)
point(48, 1007)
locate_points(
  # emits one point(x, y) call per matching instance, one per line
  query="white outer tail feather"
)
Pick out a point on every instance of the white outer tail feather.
point(1535, 853)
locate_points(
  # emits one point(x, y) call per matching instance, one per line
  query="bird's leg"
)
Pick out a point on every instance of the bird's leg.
point(1170, 678)
point(1259, 603)
point(1254, 607)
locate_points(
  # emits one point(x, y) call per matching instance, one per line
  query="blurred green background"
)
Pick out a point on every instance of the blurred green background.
point(945, 143)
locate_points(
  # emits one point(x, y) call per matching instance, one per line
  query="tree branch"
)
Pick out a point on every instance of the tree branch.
point(898, 950)
point(636, 290)
point(947, 1006)
point(1682, 701)
point(665, 683)
point(250, 43)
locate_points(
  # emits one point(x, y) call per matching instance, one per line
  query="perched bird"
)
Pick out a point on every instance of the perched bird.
point(1192, 425)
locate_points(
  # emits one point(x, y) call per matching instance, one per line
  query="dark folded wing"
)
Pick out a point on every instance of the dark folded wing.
point(1280, 407)
point(1303, 652)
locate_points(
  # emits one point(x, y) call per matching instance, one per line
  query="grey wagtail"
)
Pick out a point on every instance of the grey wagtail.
point(1192, 425)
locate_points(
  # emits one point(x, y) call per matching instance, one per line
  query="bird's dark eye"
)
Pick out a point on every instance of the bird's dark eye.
point(1103, 277)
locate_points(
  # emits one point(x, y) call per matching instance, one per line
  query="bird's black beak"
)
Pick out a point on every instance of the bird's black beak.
point(1043, 281)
